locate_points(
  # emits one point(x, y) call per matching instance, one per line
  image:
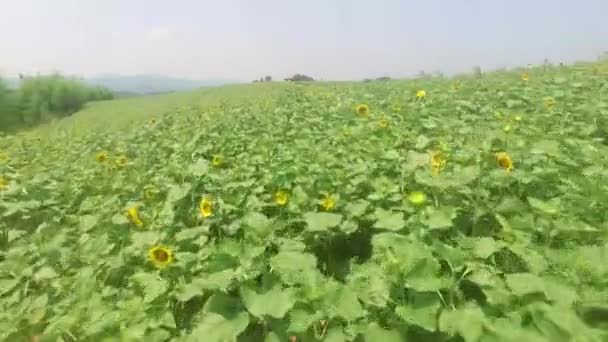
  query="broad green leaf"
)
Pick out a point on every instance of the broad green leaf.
point(543, 206)
point(217, 328)
point(45, 273)
point(486, 246)
point(275, 302)
point(467, 322)
point(389, 220)
point(334, 335)
point(178, 191)
point(151, 285)
point(88, 222)
point(321, 221)
point(188, 291)
point(199, 168)
point(522, 284)
point(344, 303)
point(423, 311)
point(357, 209)
point(258, 223)
point(375, 333)
point(439, 218)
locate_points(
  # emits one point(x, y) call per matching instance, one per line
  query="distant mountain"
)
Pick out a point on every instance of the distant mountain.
point(147, 84)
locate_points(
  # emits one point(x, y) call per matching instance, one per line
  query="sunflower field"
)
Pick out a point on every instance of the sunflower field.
point(465, 209)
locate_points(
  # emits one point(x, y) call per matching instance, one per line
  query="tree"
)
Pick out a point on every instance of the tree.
point(300, 78)
point(267, 79)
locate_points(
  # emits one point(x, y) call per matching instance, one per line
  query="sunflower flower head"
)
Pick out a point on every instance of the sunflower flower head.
point(121, 161)
point(383, 122)
point(362, 110)
point(549, 102)
point(437, 162)
point(525, 77)
point(217, 160)
point(456, 85)
point(4, 158)
point(160, 256)
point(328, 202)
point(3, 183)
point(281, 197)
point(149, 192)
point(420, 94)
point(133, 216)
point(205, 207)
point(504, 160)
point(416, 197)
point(101, 156)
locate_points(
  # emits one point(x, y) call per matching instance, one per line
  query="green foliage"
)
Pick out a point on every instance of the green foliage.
point(41, 98)
point(104, 234)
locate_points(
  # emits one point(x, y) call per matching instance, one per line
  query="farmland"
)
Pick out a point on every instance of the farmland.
point(465, 209)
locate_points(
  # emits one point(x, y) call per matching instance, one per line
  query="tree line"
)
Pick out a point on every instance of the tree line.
point(42, 98)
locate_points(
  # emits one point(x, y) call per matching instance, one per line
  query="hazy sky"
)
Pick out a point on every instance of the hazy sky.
point(330, 39)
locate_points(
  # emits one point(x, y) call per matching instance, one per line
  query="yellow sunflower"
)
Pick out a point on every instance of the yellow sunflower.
point(525, 77)
point(456, 85)
point(506, 128)
point(362, 110)
point(383, 122)
point(101, 156)
point(420, 94)
point(133, 216)
point(149, 192)
point(328, 202)
point(549, 102)
point(3, 183)
point(4, 158)
point(437, 162)
point(121, 161)
point(281, 197)
point(217, 160)
point(160, 256)
point(205, 207)
point(417, 197)
point(504, 160)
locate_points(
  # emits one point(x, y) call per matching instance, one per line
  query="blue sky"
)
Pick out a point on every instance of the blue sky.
point(329, 39)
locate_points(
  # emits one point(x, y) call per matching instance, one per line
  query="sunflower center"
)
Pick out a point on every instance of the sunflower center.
point(161, 255)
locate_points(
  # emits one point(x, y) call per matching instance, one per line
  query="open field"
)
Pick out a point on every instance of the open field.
point(470, 209)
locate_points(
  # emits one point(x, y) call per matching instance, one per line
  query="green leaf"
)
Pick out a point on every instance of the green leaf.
point(88, 222)
point(191, 233)
point(486, 246)
point(334, 335)
point(357, 208)
point(467, 322)
point(217, 328)
point(275, 302)
point(258, 223)
point(522, 284)
point(549, 147)
point(199, 168)
point(422, 311)
point(343, 302)
point(178, 191)
point(151, 284)
point(45, 273)
point(389, 220)
point(439, 218)
point(321, 221)
point(188, 291)
point(543, 206)
point(374, 333)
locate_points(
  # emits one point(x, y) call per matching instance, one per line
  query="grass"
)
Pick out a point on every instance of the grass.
point(474, 211)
